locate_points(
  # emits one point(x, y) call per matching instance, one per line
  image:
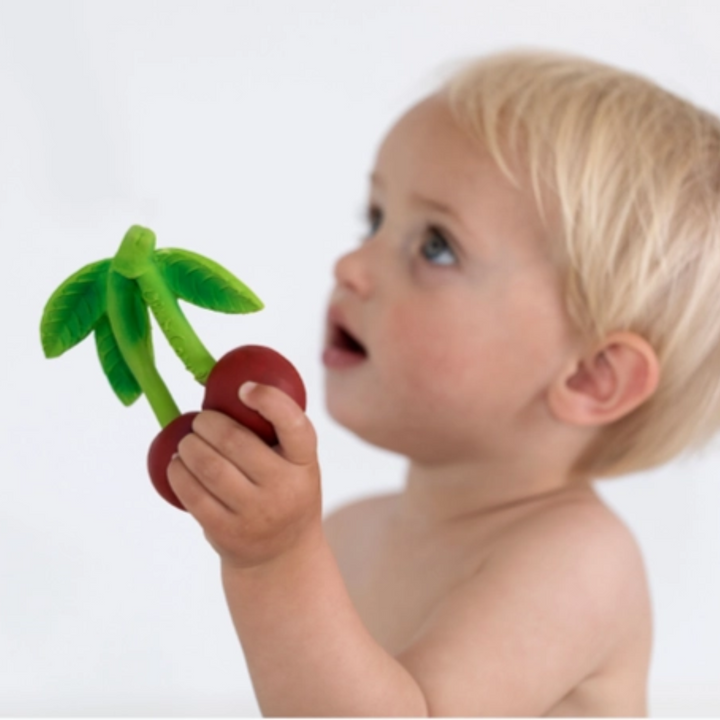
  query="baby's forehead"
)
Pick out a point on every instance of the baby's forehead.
point(426, 142)
point(429, 116)
point(427, 155)
point(429, 138)
point(427, 146)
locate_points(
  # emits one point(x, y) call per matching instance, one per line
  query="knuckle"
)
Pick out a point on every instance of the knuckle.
point(297, 422)
point(312, 435)
point(210, 466)
point(227, 438)
point(269, 518)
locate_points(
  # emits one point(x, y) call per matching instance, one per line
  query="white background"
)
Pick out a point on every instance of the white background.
point(245, 131)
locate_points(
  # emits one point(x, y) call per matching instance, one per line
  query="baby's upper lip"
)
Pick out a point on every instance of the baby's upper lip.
point(336, 319)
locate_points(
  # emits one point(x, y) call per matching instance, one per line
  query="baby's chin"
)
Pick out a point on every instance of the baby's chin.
point(349, 418)
point(426, 444)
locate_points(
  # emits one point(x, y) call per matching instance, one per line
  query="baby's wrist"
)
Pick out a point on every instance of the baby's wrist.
point(301, 554)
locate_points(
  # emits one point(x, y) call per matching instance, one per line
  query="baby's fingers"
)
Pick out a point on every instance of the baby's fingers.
point(191, 492)
point(207, 483)
point(296, 434)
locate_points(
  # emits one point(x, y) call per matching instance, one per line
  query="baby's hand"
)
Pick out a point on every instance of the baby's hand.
point(254, 502)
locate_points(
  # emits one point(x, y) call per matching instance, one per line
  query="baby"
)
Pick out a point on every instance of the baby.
point(534, 307)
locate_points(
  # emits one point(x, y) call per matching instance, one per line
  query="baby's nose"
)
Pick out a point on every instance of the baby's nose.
point(353, 271)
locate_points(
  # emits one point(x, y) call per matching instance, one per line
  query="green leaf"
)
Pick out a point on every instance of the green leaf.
point(137, 314)
point(74, 308)
point(205, 283)
point(121, 379)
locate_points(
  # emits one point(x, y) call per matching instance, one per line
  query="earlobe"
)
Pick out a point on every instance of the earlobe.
point(607, 383)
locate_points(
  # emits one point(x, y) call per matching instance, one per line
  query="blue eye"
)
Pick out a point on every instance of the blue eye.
point(372, 217)
point(436, 249)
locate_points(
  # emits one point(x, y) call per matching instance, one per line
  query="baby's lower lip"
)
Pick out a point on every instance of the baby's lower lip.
point(339, 358)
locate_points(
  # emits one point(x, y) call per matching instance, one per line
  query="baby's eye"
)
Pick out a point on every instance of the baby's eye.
point(437, 250)
point(372, 217)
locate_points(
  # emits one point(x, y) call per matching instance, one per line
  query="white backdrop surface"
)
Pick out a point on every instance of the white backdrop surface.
point(245, 131)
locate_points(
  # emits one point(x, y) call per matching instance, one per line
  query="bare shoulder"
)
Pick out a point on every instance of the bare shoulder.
point(557, 600)
point(607, 571)
point(583, 527)
point(600, 558)
point(582, 516)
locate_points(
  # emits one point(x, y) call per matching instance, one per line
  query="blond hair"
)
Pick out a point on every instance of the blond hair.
point(632, 173)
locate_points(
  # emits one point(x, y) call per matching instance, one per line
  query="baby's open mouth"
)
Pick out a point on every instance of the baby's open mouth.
point(343, 340)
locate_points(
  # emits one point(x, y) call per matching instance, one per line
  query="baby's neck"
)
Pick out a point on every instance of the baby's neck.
point(443, 495)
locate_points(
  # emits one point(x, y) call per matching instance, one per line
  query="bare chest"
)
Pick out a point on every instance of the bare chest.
point(394, 606)
point(397, 575)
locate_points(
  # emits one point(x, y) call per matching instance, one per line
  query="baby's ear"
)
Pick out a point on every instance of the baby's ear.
point(607, 383)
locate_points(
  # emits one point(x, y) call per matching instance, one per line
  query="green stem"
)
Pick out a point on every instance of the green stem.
point(172, 321)
point(134, 261)
point(133, 338)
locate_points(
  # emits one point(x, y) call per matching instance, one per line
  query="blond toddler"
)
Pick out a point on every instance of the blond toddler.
point(534, 307)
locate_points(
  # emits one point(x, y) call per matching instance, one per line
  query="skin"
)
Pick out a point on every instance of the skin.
point(449, 597)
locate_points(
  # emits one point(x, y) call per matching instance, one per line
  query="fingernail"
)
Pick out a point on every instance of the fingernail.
point(246, 388)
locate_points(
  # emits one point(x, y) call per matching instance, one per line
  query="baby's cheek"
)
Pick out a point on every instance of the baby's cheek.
point(460, 365)
point(428, 355)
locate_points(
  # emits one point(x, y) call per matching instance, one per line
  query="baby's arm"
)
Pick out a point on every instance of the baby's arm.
point(538, 617)
point(307, 650)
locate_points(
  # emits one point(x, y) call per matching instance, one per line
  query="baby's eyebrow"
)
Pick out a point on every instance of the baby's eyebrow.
point(427, 202)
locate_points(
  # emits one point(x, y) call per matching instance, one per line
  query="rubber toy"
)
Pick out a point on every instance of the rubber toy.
point(113, 298)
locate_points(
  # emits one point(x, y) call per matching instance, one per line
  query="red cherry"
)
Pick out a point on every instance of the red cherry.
point(259, 364)
point(163, 447)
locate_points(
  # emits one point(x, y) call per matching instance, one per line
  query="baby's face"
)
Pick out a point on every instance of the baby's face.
point(454, 298)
